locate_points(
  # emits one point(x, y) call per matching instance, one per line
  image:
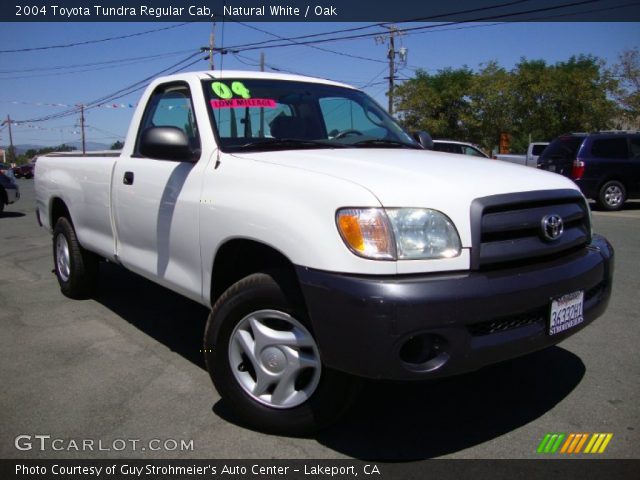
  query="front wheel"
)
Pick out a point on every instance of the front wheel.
point(75, 267)
point(265, 363)
point(612, 195)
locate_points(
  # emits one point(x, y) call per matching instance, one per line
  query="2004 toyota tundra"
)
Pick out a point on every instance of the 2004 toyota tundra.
point(328, 243)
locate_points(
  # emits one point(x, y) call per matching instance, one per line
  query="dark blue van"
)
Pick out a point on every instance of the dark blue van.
point(605, 165)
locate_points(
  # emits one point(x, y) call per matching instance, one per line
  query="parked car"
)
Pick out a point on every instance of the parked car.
point(9, 191)
point(453, 146)
point(534, 151)
point(24, 171)
point(605, 165)
point(529, 159)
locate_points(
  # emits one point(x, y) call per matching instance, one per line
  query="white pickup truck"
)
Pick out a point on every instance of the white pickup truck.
point(530, 159)
point(328, 243)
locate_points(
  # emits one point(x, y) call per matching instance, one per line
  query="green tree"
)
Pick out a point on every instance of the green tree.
point(581, 90)
point(436, 103)
point(533, 101)
point(491, 96)
point(627, 71)
point(117, 145)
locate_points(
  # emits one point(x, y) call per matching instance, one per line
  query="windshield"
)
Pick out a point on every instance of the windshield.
point(266, 114)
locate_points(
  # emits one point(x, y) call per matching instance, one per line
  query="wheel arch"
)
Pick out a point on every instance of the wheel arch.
point(613, 178)
point(240, 257)
point(58, 208)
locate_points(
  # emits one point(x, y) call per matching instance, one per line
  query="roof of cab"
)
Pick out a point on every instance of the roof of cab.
point(222, 74)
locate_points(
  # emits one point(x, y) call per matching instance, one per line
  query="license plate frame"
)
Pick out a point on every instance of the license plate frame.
point(565, 312)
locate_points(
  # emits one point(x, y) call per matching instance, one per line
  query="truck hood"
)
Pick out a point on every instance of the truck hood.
point(400, 178)
point(419, 178)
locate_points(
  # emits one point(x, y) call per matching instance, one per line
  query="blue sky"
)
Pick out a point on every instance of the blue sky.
point(469, 44)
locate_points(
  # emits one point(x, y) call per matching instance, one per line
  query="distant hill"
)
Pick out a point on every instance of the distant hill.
point(20, 149)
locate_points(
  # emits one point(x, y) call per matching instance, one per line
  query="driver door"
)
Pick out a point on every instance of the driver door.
point(156, 201)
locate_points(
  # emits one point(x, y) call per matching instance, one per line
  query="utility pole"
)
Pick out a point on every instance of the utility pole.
point(261, 132)
point(392, 68)
point(391, 55)
point(12, 152)
point(212, 40)
point(84, 150)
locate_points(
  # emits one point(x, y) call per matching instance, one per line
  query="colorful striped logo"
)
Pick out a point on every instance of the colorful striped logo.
point(573, 443)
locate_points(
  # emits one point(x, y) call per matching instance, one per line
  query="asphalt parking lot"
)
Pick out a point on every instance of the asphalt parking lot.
point(126, 365)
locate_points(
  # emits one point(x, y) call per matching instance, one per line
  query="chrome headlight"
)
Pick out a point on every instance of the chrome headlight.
point(423, 233)
point(398, 233)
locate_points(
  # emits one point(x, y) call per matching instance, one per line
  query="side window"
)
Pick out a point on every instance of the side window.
point(447, 147)
point(610, 148)
point(171, 106)
point(472, 151)
point(342, 114)
point(634, 143)
point(538, 149)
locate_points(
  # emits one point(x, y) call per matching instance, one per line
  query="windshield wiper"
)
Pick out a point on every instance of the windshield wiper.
point(276, 143)
point(383, 142)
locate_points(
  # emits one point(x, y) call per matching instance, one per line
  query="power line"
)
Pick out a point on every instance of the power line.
point(93, 64)
point(117, 94)
point(89, 42)
point(344, 54)
point(370, 82)
point(411, 29)
point(251, 62)
point(96, 69)
point(381, 24)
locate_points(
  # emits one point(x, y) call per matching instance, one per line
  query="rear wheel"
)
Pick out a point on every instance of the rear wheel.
point(75, 267)
point(612, 195)
point(265, 362)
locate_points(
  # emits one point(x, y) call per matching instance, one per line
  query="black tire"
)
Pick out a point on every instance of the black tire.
point(253, 295)
point(612, 195)
point(78, 276)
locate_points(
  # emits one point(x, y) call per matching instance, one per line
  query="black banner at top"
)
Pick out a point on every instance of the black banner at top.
point(320, 11)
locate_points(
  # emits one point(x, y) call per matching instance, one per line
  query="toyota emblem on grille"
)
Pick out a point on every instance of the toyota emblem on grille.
point(552, 226)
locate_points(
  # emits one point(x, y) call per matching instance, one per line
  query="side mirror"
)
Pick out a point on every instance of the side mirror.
point(166, 143)
point(424, 139)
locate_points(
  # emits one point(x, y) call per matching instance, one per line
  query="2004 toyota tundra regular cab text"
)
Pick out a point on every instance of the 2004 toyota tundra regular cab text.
point(328, 242)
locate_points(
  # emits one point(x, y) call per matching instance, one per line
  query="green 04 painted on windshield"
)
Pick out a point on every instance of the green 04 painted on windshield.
point(223, 91)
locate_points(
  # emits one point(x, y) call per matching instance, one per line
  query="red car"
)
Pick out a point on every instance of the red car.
point(24, 171)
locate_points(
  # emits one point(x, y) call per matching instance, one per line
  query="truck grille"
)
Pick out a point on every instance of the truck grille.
point(538, 315)
point(509, 228)
point(508, 323)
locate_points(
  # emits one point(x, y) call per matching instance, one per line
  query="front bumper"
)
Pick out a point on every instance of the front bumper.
point(433, 325)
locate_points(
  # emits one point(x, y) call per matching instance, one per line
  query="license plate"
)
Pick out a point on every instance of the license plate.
point(566, 312)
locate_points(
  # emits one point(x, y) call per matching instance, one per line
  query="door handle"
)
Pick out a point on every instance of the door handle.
point(128, 178)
